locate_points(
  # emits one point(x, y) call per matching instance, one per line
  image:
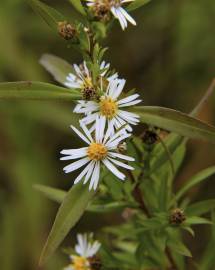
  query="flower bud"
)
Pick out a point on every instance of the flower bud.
point(66, 30)
point(177, 216)
point(95, 263)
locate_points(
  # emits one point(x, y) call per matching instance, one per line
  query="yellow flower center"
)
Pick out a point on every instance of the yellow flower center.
point(96, 151)
point(108, 107)
point(80, 263)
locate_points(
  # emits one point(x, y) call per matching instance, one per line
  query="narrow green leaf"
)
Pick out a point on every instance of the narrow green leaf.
point(176, 121)
point(197, 221)
point(58, 195)
point(208, 259)
point(78, 6)
point(49, 14)
point(70, 211)
point(53, 194)
point(200, 208)
point(196, 179)
point(137, 4)
point(36, 90)
point(58, 67)
point(179, 247)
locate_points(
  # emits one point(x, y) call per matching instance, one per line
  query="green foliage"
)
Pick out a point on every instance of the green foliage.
point(176, 122)
point(78, 6)
point(36, 90)
point(137, 4)
point(51, 16)
point(69, 213)
point(144, 236)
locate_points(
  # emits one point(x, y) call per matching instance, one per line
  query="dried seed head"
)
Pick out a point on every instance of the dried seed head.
point(88, 93)
point(95, 263)
point(177, 216)
point(66, 30)
point(101, 10)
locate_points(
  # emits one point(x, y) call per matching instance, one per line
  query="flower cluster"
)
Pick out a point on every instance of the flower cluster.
point(105, 124)
point(85, 251)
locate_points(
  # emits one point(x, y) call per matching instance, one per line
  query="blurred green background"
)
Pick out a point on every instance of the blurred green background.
point(169, 57)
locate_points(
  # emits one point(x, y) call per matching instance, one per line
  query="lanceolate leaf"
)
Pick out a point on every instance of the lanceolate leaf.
point(58, 67)
point(36, 90)
point(53, 194)
point(49, 14)
point(196, 179)
point(137, 4)
point(68, 215)
point(197, 220)
point(58, 195)
point(200, 208)
point(78, 6)
point(176, 121)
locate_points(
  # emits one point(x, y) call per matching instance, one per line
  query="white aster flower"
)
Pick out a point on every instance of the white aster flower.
point(101, 7)
point(82, 78)
point(111, 107)
point(85, 248)
point(100, 150)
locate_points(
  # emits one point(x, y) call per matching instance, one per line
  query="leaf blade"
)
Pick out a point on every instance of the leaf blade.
point(36, 90)
point(176, 121)
point(69, 213)
point(50, 15)
point(56, 66)
point(137, 4)
point(196, 179)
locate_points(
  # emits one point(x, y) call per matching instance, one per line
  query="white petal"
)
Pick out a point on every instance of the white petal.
point(113, 169)
point(100, 128)
point(128, 99)
point(80, 134)
point(121, 164)
point(83, 173)
point(76, 165)
point(114, 144)
point(86, 131)
point(132, 103)
point(118, 155)
point(118, 91)
point(74, 153)
point(127, 16)
point(89, 173)
point(89, 118)
point(96, 181)
point(95, 176)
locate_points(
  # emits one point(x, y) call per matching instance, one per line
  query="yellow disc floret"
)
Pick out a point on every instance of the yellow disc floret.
point(108, 107)
point(80, 263)
point(96, 151)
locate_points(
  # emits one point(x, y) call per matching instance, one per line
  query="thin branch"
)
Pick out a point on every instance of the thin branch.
point(168, 154)
point(171, 260)
point(204, 99)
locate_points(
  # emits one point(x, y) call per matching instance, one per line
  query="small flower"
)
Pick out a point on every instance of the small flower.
point(82, 79)
point(100, 150)
point(102, 8)
point(110, 107)
point(86, 249)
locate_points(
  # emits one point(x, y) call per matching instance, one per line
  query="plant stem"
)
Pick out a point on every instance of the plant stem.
point(171, 260)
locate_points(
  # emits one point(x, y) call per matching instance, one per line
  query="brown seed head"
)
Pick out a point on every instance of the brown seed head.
point(66, 30)
point(177, 216)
